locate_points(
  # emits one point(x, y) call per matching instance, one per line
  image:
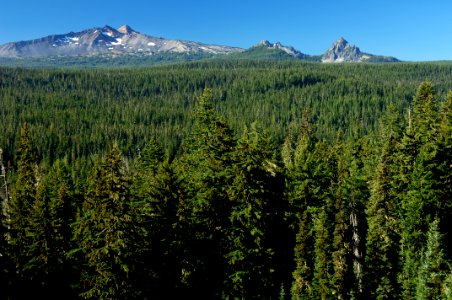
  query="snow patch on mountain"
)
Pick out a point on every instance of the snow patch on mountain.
point(123, 40)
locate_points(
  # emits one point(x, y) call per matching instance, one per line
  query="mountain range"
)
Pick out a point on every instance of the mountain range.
point(110, 43)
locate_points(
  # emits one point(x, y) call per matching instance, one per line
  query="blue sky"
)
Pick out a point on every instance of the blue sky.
point(409, 30)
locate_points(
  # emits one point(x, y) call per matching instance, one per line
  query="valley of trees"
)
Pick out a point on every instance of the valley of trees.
point(227, 180)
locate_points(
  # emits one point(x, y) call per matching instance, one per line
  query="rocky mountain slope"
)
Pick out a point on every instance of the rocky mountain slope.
point(266, 50)
point(342, 51)
point(125, 46)
point(106, 40)
point(278, 46)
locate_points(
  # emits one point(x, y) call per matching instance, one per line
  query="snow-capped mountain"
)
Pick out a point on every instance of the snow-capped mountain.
point(106, 40)
point(123, 44)
point(342, 51)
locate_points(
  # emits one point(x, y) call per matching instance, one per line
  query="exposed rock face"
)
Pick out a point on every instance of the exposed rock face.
point(123, 40)
point(287, 49)
point(342, 51)
point(125, 29)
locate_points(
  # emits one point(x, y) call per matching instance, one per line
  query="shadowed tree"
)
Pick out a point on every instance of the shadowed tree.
point(105, 232)
point(256, 198)
point(206, 168)
point(416, 186)
point(382, 257)
point(20, 210)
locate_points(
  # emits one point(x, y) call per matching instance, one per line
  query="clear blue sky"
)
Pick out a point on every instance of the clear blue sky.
point(408, 30)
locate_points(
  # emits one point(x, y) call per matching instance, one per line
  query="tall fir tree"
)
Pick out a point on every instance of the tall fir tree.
point(6, 267)
point(20, 209)
point(356, 193)
point(302, 287)
point(442, 173)
point(425, 111)
point(105, 233)
point(341, 247)
point(162, 249)
point(432, 270)
point(297, 156)
point(322, 252)
point(382, 242)
point(206, 167)
point(418, 194)
point(256, 196)
point(52, 215)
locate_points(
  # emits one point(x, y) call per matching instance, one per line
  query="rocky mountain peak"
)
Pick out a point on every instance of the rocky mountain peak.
point(264, 43)
point(341, 42)
point(111, 32)
point(278, 46)
point(106, 40)
point(342, 51)
point(126, 29)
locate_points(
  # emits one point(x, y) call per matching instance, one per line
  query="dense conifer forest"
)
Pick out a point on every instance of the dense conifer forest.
point(227, 180)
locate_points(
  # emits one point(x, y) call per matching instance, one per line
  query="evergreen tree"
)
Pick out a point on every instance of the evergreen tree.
point(57, 200)
point(105, 232)
point(145, 171)
point(432, 268)
point(442, 173)
point(162, 249)
point(5, 252)
point(322, 251)
point(43, 257)
point(150, 157)
point(341, 247)
point(419, 196)
point(313, 188)
point(356, 193)
point(20, 210)
point(6, 266)
point(447, 286)
point(206, 167)
point(383, 235)
point(256, 196)
point(425, 111)
point(303, 275)
point(301, 181)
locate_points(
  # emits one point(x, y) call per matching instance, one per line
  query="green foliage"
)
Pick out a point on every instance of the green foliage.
point(161, 253)
point(76, 113)
point(206, 167)
point(104, 60)
point(105, 232)
point(255, 193)
point(302, 276)
point(432, 268)
point(420, 201)
point(383, 236)
point(19, 210)
point(263, 53)
point(322, 264)
point(6, 262)
point(343, 273)
point(333, 196)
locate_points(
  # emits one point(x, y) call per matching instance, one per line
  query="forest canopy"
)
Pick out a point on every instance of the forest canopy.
point(234, 180)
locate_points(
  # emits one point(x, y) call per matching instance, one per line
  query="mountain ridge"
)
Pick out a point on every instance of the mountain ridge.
point(108, 41)
point(102, 40)
point(343, 51)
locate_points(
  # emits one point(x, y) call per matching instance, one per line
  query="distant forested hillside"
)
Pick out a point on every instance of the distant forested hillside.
point(77, 112)
point(223, 179)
